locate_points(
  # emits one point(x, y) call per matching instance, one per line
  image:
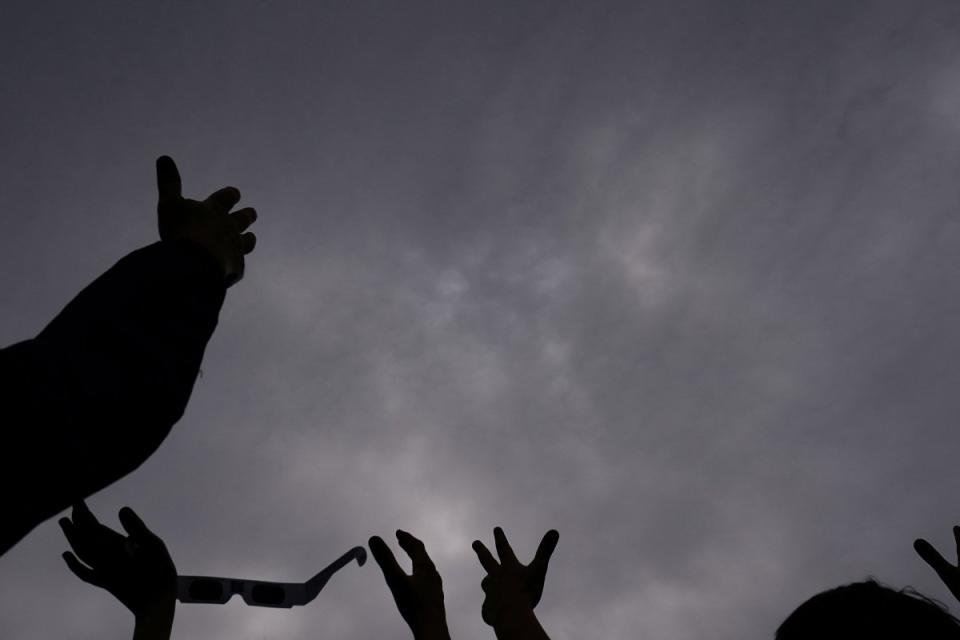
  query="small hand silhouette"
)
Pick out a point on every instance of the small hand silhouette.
point(135, 568)
point(209, 223)
point(949, 573)
point(419, 596)
point(509, 585)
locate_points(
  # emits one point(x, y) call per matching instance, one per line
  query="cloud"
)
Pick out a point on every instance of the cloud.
point(674, 279)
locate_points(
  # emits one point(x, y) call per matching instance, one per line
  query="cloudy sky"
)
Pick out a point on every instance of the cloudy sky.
point(677, 278)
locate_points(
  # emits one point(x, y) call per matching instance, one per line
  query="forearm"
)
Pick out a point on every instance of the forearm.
point(156, 623)
point(97, 391)
point(519, 624)
point(144, 322)
point(432, 631)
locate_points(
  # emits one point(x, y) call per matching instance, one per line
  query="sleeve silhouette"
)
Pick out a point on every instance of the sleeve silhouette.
point(135, 568)
point(95, 393)
point(512, 590)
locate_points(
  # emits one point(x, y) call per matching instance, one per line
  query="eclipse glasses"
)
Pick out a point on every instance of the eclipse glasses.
point(259, 593)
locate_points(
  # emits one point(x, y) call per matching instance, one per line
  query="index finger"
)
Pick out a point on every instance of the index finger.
point(542, 557)
point(417, 551)
point(82, 516)
point(392, 572)
point(504, 550)
point(486, 559)
point(225, 198)
point(168, 180)
point(933, 558)
point(134, 526)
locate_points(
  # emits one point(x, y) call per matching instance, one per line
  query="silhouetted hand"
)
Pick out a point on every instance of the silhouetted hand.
point(948, 572)
point(419, 597)
point(135, 568)
point(510, 586)
point(209, 223)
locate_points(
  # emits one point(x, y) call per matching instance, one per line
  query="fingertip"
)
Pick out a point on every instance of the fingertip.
point(248, 242)
point(407, 541)
point(129, 516)
point(550, 538)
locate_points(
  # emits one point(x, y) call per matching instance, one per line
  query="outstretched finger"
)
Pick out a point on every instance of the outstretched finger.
point(168, 180)
point(933, 558)
point(134, 526)
point(415, 548)
point(542, 557)
point(225, 198)
point(83, 517)
point(247, 242)
point(243, 218)
point(504, 550)
point(392, 572)
point(80, 570)
point(486, 558)
point(70, 533)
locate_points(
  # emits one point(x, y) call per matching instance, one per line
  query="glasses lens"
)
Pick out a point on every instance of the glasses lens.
point(209, 590)
point(268, 594)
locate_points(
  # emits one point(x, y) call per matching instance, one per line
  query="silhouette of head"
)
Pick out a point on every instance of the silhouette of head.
point(871, 611)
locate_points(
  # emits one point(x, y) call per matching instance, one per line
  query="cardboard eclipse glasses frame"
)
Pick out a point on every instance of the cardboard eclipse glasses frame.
point(260, 593)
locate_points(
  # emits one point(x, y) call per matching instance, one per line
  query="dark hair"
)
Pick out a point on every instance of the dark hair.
point(869, 610)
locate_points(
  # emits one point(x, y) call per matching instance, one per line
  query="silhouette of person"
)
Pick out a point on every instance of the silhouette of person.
point(869, 610)
point(93, 395)
point(135, 568)
point(512, 590)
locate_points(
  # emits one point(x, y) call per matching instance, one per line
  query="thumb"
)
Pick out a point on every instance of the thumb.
point(168, 180)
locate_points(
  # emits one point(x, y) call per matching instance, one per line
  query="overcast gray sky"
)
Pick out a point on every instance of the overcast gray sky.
point(677, 278)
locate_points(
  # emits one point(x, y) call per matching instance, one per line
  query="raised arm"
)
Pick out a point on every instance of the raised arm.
point(419, 597)
point(512, 590)
point(96, 392)
point(135, 568)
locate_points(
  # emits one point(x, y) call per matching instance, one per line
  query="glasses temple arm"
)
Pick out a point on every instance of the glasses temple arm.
point(317, 582)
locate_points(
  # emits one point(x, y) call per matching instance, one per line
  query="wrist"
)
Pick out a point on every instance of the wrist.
point(208, 258)
point(436, 630)
point(517, 622)
point(154, 621)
